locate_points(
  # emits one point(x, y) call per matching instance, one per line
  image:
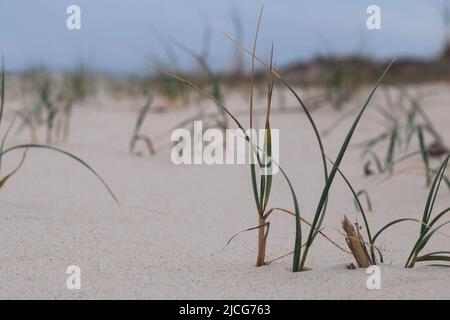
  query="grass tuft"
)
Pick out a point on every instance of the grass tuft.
point(427, 229)
point(26, 147)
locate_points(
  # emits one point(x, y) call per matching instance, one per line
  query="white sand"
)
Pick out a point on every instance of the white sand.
point(168, 243)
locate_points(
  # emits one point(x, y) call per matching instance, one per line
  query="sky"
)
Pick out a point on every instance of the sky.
point(124, 36)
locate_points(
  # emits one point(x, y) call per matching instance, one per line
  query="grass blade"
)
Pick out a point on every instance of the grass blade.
point(318, 216)
point(424, 152)
point(38, 146)
point(425, 233)
point(6, 178)
point(390, 224)
point(298, 232)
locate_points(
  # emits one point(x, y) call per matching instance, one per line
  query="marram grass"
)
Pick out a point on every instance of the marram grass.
point(4, 151)
point(427, 225)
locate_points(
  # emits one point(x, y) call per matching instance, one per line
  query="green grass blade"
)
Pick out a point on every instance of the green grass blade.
point(391, 149)
point(297, 97)
point(439, 216)
point(298, 237)
point(432, 195)
point(377, 161)
point(424, 152)
point(390, 224)
point(258, 198)
point(255, 186)
point(139, 121)
point(426, 119)
point(267, 176)
point(367, 197)
point(359, 206)
point(410, 135)
point(435, 256)
point(422, 243)
point(6, 178)
point(296, 258)
point(38, 146)
point(2, 96)
point(317, 217)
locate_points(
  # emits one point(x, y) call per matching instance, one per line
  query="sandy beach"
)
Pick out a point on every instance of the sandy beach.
point(167, 242)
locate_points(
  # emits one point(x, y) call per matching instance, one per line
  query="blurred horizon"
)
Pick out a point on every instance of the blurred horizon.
point(119, 36)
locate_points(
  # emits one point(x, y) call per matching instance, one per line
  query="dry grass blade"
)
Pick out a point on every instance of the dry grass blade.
point(203, 92)
point(3, 152)
point(213, 78)
point(252, 75)
point(2, 97)
point(261, 200)
point(424, 153)
point(263, 226)
point(5, 178)
point(359, 208)
point(334, 243)
point(319, 214)
point(356, 244)
point(298, 233)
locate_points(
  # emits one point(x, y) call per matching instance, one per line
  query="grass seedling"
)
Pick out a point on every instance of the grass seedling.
point(26, 147)
point(165, 85)
point(211, 77)
point(261, 193)
point(427, 229)
point(137, 135)
point(298, 264)
point(169, 88)
point(44, 85)
point(355, 240)
point(319, 213)
point(336, 92)
point(52, 107)
point(264, 163)
point(403, 124)
point(79, 83)
point(298, 218)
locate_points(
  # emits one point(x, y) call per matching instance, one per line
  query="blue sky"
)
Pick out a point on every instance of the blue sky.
point(125, 35)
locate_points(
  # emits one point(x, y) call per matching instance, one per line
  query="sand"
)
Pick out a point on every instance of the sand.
point(167, 242)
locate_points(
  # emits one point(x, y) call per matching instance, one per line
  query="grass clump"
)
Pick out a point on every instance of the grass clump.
point(4, 151)
point(300, 260)
point(337, 92)
point(402, 125)
point(137, 135)
point(211, 78)
point(53, 100)
point(365, 252)
point(261, 171)
point(427, 224)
